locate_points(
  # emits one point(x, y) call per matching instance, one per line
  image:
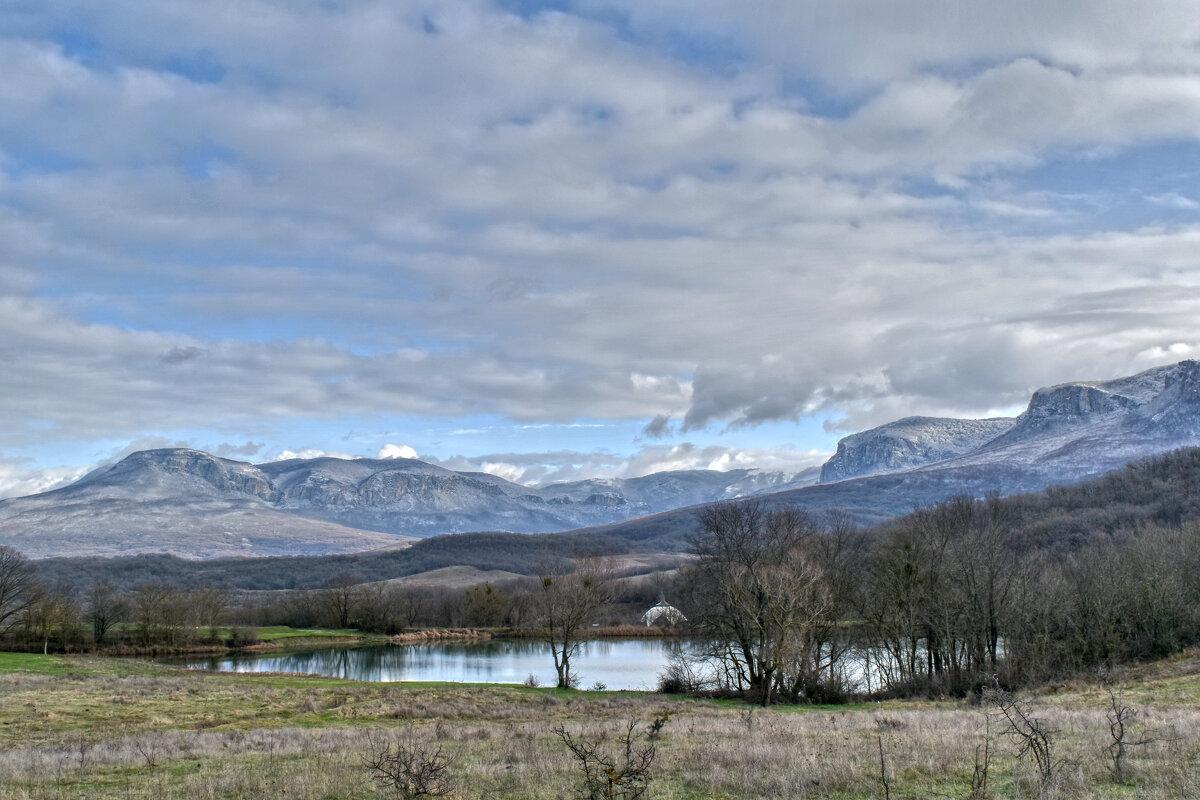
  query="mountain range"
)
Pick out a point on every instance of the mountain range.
point(195, 504)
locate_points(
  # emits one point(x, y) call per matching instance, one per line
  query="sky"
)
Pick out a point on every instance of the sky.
point(554, 240)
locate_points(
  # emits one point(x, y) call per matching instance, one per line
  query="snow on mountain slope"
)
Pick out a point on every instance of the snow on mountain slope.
point(907, 443)
point(196, 504)
point(1067, 432)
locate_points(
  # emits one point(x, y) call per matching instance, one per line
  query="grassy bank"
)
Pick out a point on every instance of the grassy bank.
point(88, 727)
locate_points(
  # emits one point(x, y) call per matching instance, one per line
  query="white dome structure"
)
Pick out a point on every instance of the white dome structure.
point(663, 610)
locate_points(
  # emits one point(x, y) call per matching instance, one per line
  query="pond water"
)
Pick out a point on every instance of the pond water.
point(617, 663)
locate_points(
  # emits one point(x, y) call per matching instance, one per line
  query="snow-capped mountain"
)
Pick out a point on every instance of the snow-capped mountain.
point(909, 442)
point(1068, 432)
point(192, 503)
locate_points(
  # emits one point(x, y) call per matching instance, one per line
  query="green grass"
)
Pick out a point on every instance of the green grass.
point(277, 632)
point(32, 662)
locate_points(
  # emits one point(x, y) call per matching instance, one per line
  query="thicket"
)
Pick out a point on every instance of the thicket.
point(935, 603)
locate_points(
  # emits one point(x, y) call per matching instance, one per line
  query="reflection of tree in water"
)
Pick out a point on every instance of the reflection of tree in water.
point(617, 663)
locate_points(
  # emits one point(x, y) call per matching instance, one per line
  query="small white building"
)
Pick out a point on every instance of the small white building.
point(666, 611)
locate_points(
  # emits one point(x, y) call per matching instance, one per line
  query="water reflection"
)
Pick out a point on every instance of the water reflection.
point(618, 664)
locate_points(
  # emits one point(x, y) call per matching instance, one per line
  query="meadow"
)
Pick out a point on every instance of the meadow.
point(77, 727)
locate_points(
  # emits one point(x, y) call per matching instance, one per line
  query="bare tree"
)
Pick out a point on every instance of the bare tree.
point(764, 594)
point(48, 612)
point(149, 605)
point(1033, 737)
point(105, 608)
point(567, 600)
point(1121, 717)
point(379, 607)
point(17, 583)
point(208, 606)
point(340, 598)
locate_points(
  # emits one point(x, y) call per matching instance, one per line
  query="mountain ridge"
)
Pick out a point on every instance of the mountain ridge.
point(328, 505)
point(200, 505)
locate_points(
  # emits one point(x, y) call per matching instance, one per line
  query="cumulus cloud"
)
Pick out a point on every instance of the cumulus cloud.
point(19, 478)
point(390, 450)
point(288, 455)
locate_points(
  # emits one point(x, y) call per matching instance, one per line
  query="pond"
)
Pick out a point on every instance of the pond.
point(617, 663)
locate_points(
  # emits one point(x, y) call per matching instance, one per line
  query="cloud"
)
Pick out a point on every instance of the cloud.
point(390, 450)
point(1174, 200)
point(659, 427)
point(18, 478)
point(447, 210)
point(288, 455)
point(181, 355)
point(564, 465)
point(247, 450)
point(860, 44)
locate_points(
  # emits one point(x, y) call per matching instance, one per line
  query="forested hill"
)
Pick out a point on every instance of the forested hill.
point(511, 552)
point(1163, 490)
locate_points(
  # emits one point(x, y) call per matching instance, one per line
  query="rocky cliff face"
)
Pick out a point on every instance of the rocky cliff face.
point(167, 471)
point(907, 443)
point(1159, 404)
point(1067, 432)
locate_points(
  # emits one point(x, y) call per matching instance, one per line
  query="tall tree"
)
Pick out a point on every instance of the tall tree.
point(17, 584)
point(105, 608)
point(568, 598)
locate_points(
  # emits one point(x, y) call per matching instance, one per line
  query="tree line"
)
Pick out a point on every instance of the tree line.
point(151, 615)
point(941, 601)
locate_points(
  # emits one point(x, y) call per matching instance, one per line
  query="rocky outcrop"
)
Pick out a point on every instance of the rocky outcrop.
point(907, 443)
point(155, 470)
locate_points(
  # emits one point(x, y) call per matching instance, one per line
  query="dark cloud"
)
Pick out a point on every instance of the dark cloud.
point(659, 427)
point(247, 450)
point(181, 355)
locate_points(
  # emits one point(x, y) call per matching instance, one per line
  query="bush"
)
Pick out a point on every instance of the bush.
point(242, 637)
point(409, 770)
point(609, 775)
point(685, 674)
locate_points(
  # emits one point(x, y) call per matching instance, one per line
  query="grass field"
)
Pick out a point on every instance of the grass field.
point(107, 728)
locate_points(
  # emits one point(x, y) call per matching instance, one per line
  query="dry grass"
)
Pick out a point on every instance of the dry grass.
point(103, 733)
